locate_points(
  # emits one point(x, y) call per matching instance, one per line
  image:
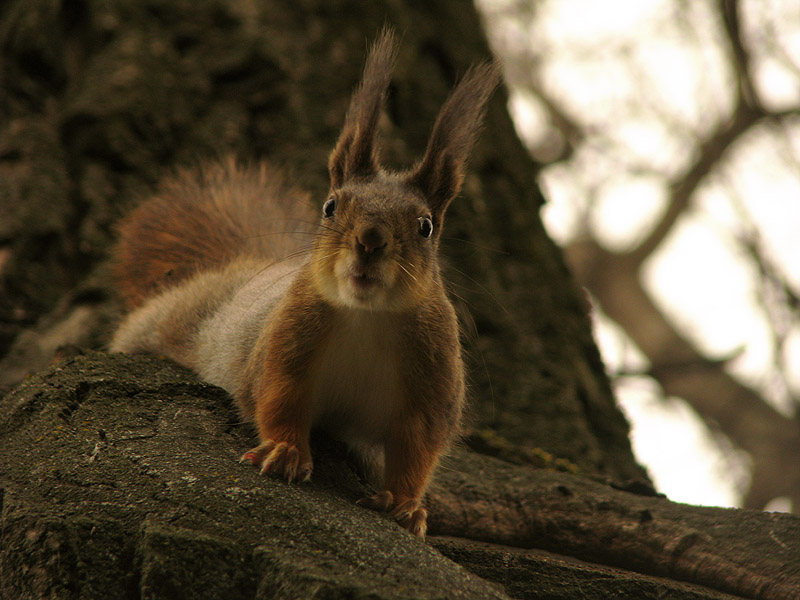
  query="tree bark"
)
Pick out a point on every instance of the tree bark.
point(129, 487)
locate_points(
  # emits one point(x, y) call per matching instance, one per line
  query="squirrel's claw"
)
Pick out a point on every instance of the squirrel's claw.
point(382, 501)
point(412, 516)
point(304, 472)
point(281, 459)
point(257, 455)
point(409, 514)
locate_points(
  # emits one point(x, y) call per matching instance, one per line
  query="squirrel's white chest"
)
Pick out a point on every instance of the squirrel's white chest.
point(356, 384)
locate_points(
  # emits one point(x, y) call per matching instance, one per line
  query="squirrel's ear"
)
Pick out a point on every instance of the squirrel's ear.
point(440, 173)
point(355, 154)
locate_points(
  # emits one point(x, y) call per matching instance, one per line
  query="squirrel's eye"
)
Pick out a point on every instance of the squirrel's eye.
point(425, 227)
point(329, 208)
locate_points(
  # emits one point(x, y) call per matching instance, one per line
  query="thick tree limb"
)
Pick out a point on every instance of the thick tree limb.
point(130, 486)
point(750, 554)
point(119, 479)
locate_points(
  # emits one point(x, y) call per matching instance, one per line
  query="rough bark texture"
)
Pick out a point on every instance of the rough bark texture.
point(130, 488)
point(118, 474)
point(119, 479)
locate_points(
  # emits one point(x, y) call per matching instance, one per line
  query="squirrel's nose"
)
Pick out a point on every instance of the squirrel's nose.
point(370, 240)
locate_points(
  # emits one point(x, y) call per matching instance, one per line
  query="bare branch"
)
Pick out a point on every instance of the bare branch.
point(771, 438)
point(682, 189)
point(740, 55)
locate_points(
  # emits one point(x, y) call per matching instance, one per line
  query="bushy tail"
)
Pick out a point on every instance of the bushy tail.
point(205, 217)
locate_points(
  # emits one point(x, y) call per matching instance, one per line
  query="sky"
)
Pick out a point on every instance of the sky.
point(647, 80)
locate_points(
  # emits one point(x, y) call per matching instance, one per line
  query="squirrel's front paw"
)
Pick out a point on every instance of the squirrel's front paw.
point(407, 512)
point(281, 458)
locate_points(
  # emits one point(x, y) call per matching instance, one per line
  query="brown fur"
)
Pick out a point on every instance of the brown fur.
point(204, 218)
point(361, 338)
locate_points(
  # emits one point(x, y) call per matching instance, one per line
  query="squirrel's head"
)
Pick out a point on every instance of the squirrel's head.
point(378, 239)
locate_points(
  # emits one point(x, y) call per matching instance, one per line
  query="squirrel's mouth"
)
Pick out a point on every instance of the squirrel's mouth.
point(362, 280)
point(362, 286)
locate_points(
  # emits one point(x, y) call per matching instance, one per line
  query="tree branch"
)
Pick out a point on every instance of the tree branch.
point(740, 55)
point(682, 189)
point(771, 439)
point(747, 112)
point(169, 508)
point(749, 554)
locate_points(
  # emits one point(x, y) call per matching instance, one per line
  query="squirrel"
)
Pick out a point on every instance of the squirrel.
point(355, 336)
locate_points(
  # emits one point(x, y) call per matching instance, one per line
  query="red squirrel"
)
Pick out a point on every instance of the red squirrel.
point(356, 336)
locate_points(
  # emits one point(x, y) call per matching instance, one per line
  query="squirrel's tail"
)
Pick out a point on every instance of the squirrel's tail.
point(205, 217)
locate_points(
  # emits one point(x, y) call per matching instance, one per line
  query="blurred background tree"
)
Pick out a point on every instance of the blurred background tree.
point(669, 132)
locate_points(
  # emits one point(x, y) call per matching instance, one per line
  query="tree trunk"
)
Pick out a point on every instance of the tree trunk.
point(117, 473)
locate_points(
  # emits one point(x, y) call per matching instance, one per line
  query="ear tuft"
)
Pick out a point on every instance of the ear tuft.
point(355, 155)
point(440, 173)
